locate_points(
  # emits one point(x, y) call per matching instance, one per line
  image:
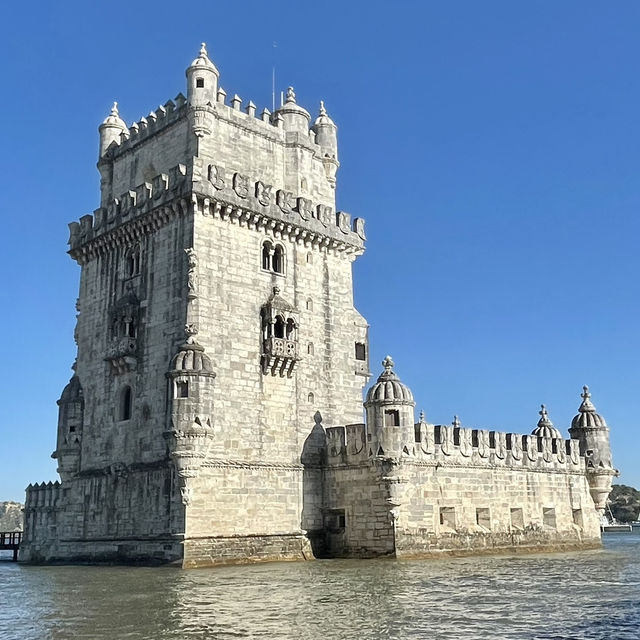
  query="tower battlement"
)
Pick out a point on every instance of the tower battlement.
point(455, 446)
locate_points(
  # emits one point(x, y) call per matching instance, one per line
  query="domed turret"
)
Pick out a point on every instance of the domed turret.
point(191, 359)
point(390, 420)
point(294, 117)
point(190, 430)
point(326, 136)
point(202, 80)
point(70, 424)
point(591, 430)
point(545, 428)
point(111, 129)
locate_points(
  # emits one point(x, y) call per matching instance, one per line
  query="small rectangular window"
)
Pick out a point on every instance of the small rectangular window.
point(483, 518)
point(577, 517)
point(361, 351)
point(448, 517)
point(392, 418)
point(517, 518)
point(182, 389)
point(549, 517)
point(200, 83)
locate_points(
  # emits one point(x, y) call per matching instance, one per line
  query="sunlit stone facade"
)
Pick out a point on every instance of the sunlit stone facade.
point(219, 353)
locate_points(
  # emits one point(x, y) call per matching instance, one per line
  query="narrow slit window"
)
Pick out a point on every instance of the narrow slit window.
point(361, 351)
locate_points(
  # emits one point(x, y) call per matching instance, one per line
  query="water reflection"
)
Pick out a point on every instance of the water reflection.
point(580, 595)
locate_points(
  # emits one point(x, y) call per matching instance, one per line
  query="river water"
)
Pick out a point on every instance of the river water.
point(593, 594)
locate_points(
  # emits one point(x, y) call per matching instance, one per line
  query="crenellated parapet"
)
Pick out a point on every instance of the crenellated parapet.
point(131, 215)
point(449, 445)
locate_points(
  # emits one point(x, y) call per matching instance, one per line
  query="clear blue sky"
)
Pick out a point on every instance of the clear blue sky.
point(493, 148)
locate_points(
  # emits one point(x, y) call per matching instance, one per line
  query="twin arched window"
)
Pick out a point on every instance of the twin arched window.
point(132, 261)
point(273, 257)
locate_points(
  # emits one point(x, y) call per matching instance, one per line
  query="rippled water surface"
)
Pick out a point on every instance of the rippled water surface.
point(593, 595)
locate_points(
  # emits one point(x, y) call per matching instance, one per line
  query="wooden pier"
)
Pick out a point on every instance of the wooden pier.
point(10, 541)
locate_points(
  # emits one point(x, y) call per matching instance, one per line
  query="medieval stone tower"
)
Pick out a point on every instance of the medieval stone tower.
point(215, 320)
point(215, 413)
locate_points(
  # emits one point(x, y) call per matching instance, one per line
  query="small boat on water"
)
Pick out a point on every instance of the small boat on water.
point(609, 524)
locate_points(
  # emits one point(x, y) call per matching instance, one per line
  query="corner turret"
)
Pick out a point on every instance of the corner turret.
point(190, 429)
point(202, 80)
point(326, 136)
point(591, 430)
point(294, 117)
point(70, 423)
point(112, 129)
point(390, 418)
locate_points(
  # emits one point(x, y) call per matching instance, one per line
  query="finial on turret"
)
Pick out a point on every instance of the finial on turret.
point(456, 422)
point(291, 95)
point(323, 111)
point(587, 406)
point(421, 415)
point(545, 428)
point(114, 109)
point(203, 50)
point(388, 364)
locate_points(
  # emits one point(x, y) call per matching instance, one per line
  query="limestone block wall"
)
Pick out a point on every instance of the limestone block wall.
point(121, 515)
point(157, 295)
point(292, 160)
point(260, 416)
point(449, 508)
point(460, 490)
point(358, 493)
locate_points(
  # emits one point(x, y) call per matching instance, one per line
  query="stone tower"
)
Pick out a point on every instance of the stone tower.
point(216, 319)
point(592, 432)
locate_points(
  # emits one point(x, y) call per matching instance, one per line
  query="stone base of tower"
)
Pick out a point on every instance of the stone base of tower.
point(160, 551)
point(242, 549)
point(422, 545)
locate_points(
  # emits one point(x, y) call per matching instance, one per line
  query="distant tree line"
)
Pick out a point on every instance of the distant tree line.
point(625, 503)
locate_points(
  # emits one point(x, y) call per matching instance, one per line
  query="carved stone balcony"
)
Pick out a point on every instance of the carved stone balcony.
point(122, 355)
point(279, 356)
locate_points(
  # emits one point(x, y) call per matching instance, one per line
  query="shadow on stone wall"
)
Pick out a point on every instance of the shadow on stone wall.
point(312, 458)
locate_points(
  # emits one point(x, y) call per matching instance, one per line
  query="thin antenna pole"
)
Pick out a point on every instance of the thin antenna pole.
point(273, 79)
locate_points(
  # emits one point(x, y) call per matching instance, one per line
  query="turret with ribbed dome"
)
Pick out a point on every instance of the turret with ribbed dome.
point(591, 430)
point(390, 418)
point(190, 429)
point(545, 428)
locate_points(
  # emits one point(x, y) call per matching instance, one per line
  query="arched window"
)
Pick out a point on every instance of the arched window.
point(310, 398)
point(278, 259)
point(291, 329)
point(126, 403)
point(133, 261)
point(309, 304)
point(278, 327)
point(267, 250)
